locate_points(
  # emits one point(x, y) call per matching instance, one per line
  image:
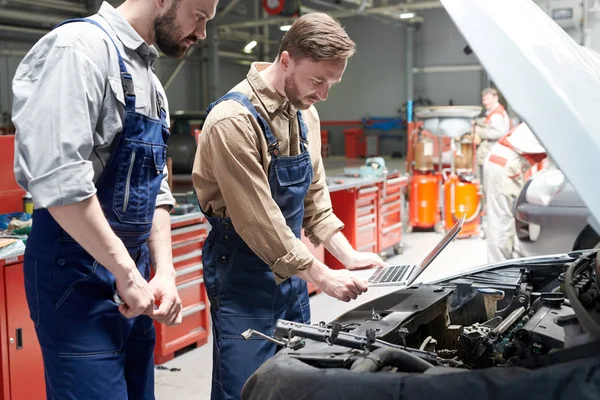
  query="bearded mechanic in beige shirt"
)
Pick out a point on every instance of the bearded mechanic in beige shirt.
point(231, 168)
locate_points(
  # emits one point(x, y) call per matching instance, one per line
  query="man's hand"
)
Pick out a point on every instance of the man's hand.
point(364, 260)
point(341, 284)
point(137, 294)
point(169, 311)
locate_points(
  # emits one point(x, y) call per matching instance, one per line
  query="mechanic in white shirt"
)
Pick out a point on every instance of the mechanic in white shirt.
point(505, 170)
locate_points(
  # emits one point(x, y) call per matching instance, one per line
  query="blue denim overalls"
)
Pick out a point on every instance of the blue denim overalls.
point(90, 350)
point(241, 287)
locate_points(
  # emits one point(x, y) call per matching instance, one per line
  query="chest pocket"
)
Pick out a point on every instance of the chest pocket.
point(142, 100)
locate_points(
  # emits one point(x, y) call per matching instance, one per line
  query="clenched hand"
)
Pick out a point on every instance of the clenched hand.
point(169, 311)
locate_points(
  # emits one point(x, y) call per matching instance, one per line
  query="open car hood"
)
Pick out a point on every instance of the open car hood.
point(552, 82)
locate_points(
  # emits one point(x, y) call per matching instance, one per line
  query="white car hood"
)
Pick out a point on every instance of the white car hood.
point(552, 82)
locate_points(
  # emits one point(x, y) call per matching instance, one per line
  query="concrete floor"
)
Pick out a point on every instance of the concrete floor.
point(192, 380)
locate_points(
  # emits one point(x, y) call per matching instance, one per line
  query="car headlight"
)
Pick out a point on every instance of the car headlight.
point(544, 187)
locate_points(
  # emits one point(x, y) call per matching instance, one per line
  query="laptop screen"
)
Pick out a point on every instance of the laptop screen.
point(437, 249)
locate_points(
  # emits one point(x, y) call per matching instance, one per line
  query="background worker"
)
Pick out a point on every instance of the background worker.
point(91, 135)
point(260, 179)
point(504, 170)
point(489, 129)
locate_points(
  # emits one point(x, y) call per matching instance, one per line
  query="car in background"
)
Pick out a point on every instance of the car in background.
point(551, 217)
point(185, 126)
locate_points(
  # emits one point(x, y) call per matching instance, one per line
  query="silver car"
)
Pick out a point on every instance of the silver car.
point(551, 217)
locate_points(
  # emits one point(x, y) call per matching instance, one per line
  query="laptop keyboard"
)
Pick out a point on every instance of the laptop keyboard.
point(390, 274)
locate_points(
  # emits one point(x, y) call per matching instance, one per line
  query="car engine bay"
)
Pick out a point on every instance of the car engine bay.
point(527, 316)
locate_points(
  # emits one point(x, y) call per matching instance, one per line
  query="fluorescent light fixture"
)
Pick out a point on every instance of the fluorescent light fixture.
point(285, 28)
point(407, 15)
point(248, 48)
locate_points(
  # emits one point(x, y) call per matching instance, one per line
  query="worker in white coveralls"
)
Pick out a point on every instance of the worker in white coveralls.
point(489, 129)
point(510, 159)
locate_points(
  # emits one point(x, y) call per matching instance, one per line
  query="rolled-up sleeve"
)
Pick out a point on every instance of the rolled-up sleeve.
point(165, 197)
point(320, 223)
point(57, 98)
point(230, 149)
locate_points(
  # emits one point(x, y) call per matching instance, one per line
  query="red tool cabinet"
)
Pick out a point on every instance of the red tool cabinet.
point(390, 213)
point(20, 354)
point(188, 233)
point(358, 208)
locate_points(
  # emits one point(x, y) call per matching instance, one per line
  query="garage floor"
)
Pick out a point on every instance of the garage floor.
point(192, 380)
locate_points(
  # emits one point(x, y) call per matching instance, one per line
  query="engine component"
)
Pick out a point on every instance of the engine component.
point(480, 344)
point(411, 308)
point(388, 357)
point(541, 333)
point(286, 330)
point(583, 290)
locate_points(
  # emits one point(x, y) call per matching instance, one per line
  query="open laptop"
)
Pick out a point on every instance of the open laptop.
point(405, 275)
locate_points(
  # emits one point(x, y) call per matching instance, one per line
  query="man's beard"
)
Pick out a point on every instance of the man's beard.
point(291, 92)
point(167, 34)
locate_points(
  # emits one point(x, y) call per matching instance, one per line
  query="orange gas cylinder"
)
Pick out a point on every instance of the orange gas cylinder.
point(424, 196)
point(462, 198)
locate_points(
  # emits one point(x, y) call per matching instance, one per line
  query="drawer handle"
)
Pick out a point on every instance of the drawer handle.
point(385, 214)
point(367, 190)
point(364, 218)
point(193, 310)
point(195, 239)
point(366, 247)
point(183, 257)
point(187, 229)
point(195, 282)
point(370, 226)
point(188, 217)
point(392, 203)
point(189, 270)
point(365, 209)
point(395, 180)
point(19, 334)
point(392, 228)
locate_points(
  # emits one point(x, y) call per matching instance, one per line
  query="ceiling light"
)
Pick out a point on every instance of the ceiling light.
point(248, 48)
point(407, 15)
point(285, 28)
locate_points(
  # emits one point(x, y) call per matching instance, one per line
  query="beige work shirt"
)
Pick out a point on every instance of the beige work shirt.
point(230, 175)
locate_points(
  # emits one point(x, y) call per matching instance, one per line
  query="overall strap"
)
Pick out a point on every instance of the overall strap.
point(303, 132)
point(243, 100)
point(126, 79)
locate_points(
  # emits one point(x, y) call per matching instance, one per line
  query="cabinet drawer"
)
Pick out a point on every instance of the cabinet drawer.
point(365, 210)
point(394, 185)
point(390, 236)
point(187, 247)
point(193, 271)
point(366, 196)
point(188, 234)
point(192, 324)
point(366, 234)
point(191, 291)
point(188, 259)
point(395, 206)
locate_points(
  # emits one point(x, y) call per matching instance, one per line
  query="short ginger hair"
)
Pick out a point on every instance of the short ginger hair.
point(319, 37)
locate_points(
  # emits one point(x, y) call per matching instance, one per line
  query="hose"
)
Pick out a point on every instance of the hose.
point(384, 357)
point(425, 342)
point(584, 318)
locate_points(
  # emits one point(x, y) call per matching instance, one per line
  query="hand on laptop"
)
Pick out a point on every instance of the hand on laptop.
point(362, 260)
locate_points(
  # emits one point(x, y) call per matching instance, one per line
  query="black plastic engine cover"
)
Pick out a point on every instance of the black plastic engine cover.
point(408, 308)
